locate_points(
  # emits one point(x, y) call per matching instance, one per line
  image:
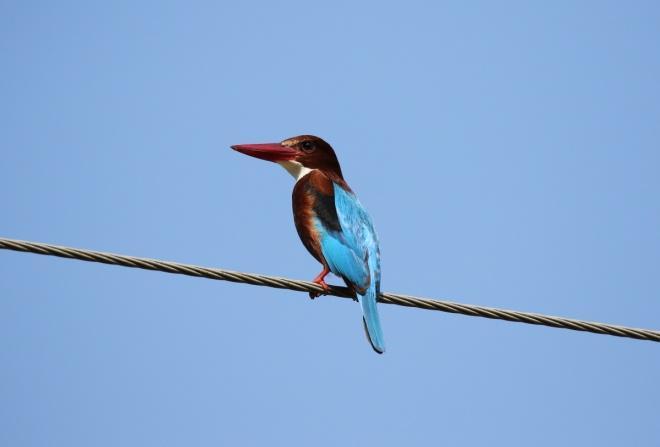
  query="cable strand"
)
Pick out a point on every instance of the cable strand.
point(342, 292)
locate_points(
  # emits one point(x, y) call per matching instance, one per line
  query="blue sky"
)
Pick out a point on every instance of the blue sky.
point(508, 152)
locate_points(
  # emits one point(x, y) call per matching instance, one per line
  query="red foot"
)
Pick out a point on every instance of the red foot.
point(320, 280)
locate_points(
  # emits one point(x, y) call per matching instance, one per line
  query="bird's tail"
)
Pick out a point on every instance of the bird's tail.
point(371, 320)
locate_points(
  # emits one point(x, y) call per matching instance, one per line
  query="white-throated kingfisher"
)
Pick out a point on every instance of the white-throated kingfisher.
point(331, 222)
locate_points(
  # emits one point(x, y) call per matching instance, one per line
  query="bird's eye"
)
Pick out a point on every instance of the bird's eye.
point(307, 146)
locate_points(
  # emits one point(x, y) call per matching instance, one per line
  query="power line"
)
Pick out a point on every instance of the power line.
point(306, 286)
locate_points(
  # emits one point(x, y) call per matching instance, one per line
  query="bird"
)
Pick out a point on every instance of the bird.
point(332, 223)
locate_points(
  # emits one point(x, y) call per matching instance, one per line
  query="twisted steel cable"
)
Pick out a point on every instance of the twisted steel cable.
point(306, 286)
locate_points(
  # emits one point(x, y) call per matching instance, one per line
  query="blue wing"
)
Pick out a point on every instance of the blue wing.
point(353, 254)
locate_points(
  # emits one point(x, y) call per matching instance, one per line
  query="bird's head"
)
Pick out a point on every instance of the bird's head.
point(298, 155)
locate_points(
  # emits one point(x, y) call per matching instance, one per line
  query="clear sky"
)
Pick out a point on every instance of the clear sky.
point(508, 152)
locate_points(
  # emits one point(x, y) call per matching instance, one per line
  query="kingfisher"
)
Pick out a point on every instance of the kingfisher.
point(331, 222)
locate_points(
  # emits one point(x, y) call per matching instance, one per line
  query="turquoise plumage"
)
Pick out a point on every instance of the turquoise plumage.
point(353, 254)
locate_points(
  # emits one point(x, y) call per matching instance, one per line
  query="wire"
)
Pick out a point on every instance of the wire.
point(306, 286)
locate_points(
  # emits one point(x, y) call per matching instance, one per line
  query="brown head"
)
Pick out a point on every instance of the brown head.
point(298, 155)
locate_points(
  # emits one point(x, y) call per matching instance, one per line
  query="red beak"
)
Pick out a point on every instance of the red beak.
point(272, 151)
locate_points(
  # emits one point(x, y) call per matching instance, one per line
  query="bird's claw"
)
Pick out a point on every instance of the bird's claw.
point(324, 285)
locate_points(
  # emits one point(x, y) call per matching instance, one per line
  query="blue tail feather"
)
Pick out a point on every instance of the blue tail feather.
point(372, 320)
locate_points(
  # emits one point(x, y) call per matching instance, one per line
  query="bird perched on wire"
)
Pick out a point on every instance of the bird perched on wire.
point(331, 222)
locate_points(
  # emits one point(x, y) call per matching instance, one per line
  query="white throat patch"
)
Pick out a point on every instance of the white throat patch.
point(294, 168)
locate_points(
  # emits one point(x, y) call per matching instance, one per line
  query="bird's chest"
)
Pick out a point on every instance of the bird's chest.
point(314, 212)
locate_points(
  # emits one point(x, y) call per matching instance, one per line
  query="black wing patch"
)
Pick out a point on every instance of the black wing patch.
point(324, 208)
